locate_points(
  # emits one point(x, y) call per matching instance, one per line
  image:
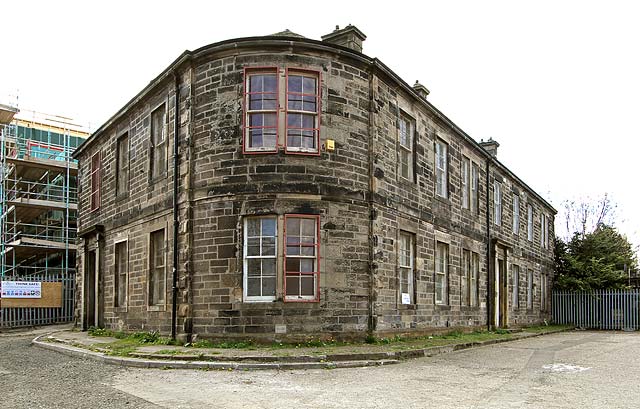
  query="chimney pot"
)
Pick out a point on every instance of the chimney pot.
point(421, 90)
point(490, 146)
point(349, 37)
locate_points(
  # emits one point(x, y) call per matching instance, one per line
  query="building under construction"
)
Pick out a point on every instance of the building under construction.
point(38, 222)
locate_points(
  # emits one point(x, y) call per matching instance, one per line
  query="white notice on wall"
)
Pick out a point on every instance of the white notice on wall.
point(405, 298)
point(21, 289)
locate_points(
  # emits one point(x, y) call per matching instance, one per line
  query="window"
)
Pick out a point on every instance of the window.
point(475, 204)
point(122, 165)
point(262, 98)
point(530, 289)
point(405, 265)
point(465, 182)
point(516, 214)
point(95, 181)
point(544, 231)
point(260, 250)
point(543, 292)
point(303, 109)
point(157, 280)
point(516, 286)
point(296, 267)
point(442, 273)
point(301, 258)
point(497, 203)
point(475, 270)
point(465, 281)
point(120, 276)
point(158, 156)
point(405, 147)
point(470, 266)
point(261, 111)
point(530, 222)
point(441, 169)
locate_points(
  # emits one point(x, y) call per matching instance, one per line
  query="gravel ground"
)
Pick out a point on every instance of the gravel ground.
point(565, 370)
point(36, 378)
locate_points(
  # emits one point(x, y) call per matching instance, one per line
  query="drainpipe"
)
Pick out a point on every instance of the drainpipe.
point(174, 288)
point(488, 222)
point(371, 321)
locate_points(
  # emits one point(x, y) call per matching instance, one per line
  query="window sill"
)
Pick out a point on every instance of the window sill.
point(407, 307)
point(443, 200)
point(119, 309)
point(156, 179)
point(156, 308)
point(407, 182)
point(443, 307)
point(261, 301)
point(259, 151)
point(300, 300)
point(301, 152)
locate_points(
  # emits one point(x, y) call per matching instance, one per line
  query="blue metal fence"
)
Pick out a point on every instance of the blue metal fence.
point(600, 309)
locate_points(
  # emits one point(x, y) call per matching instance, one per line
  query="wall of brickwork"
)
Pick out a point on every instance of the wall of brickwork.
point(362, 202)
point(129, 216)
point(412, 206)
point(231, 185)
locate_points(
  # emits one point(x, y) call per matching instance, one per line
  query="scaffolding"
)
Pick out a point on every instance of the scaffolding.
point(38, 208)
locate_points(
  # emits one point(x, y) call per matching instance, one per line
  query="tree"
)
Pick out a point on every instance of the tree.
point(583, 216)
point(596, 260)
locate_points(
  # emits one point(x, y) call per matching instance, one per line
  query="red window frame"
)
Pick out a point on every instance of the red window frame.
point(248, 71)
point(95, 181)
point(316, 273)
point(316, 129)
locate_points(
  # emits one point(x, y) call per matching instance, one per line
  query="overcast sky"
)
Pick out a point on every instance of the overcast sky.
point(556, 83)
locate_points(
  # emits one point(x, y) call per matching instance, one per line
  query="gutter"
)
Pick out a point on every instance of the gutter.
point(176, 128)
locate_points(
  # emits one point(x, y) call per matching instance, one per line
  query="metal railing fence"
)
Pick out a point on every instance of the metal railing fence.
point(29, 316)
point(599, 309)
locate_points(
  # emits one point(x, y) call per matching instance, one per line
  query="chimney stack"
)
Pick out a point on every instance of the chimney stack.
point(490, 146)
point(421, 90)
point(349, 37)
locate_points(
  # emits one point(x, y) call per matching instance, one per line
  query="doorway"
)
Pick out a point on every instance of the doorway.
point(503, 298)
point(93, 305)
point(89, 306)
point(498, 283)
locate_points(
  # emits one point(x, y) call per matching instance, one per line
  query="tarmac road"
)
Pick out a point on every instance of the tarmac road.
point(32, 377)
point(565, 370)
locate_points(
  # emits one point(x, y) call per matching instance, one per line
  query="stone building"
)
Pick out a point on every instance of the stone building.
point(280, 187)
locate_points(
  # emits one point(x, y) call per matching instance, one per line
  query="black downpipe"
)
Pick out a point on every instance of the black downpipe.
point(489, 284)
point(174, 288)
point(371, 321)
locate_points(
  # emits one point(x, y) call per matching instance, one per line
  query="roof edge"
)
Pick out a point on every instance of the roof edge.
point(410, 90)
point(340, 50)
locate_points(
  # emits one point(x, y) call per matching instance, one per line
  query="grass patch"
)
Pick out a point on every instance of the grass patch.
point(122, 347)
point(170, 352)
point(547, 328)
point(204, 343)
point(127, 342)
point(453, 337)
